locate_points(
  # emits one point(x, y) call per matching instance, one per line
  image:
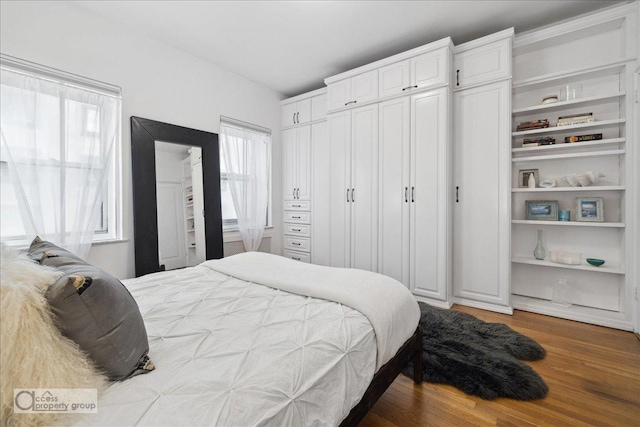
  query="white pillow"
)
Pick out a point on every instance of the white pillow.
point(34, 354)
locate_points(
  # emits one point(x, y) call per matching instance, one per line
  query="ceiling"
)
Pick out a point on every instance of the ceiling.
point(291, 46)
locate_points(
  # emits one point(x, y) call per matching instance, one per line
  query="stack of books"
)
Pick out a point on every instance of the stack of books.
point(547, 140)
point(534, 124)
point(575, 119)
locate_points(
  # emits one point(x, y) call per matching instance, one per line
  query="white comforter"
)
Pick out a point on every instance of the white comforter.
point(229, 352)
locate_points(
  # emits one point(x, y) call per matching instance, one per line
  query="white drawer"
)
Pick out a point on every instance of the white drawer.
point(298, 256)
point(297, 217)
point(297, 230)
point(297, 205)
point(297, 243)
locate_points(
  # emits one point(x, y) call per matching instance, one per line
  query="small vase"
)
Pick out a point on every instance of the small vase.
point(539, 251)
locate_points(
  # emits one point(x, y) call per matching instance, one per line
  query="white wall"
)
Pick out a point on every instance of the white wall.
point(158, 82)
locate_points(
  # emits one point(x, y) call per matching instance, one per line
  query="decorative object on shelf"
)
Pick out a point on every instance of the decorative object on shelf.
point(561, 294)
point(571, 91)
point(533, 124)
point(535, 142)
point(575, 119)
point(531, 181)
point(539, 252)
point(589, 209)
point(580, 138)
point(565, 257)
point(550, 99)
point(541, 210)
point(596, 262)
point(548, 183)
point(583, 180)
point(565, 215)
point(525, 174)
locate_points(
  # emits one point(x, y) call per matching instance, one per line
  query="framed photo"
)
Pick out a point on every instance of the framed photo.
point(541, 210)
point(523, 177)
point(589, 209)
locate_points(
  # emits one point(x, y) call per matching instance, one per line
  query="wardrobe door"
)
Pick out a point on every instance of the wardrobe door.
point(321, 189)
point(339, 130)
point(394, 154)
point(430, 179)
point(481, 212)
point(290, 172)
point(303, 160)
point(364, 193)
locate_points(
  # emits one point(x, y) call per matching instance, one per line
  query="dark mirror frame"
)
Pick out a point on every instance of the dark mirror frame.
point(144, 134)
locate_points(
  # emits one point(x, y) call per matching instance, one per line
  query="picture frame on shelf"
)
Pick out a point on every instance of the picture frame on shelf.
point(589, 209)
point(541, 210)
point(523, 177)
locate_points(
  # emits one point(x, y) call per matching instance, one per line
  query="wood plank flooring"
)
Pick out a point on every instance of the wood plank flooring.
point(593, 374)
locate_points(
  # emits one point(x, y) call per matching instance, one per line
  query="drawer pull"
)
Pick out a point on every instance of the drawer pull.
point(296, 206)
point(295, 243)
point(296, 258)
point(296, 229)
point(350, 102)
point(409, 87)
point(296, 217)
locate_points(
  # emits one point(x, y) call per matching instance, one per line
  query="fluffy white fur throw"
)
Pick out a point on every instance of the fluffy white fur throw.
point(34, 354)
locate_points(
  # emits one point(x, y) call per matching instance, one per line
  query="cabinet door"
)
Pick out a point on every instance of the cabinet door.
point(339, 93)
point(290, 162)
point(321, 189)
point(364, 184)
point(393, 79)
point(319, 107)
point(339, 130)
point(289, 114)
point(393, 239)
point(482, 64)
point(303, 160)
point(430, 169)
point(481, 212)
point(364, 87)
point(303, 113)
point(430, 69)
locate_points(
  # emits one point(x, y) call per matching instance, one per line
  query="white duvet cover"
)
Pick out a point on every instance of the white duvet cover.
point(229, 352)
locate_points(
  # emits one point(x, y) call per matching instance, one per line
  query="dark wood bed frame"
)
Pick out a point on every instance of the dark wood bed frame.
point(410, 350)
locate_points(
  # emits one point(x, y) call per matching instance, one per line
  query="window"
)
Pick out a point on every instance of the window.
point(58, 164)
point(248, 148)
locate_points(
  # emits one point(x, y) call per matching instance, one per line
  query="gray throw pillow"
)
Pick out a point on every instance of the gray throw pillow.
point(96, 311)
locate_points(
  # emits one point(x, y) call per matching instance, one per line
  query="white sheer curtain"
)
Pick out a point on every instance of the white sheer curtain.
point(246, 161)
point(57, 147)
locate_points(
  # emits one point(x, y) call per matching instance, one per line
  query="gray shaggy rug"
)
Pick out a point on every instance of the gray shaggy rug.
point(477, 357)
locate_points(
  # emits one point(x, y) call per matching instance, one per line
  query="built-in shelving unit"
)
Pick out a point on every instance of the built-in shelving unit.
point(603, 85)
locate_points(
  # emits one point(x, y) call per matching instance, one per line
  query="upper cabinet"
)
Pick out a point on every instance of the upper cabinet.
point(425, 67)
point(304, 109)
point(354, 90)
point(426, 70)
point(484, 63)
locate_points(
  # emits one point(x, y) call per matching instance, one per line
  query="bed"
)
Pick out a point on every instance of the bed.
point(256, 339)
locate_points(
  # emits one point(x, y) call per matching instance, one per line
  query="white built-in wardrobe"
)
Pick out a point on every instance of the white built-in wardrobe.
point(415, 159)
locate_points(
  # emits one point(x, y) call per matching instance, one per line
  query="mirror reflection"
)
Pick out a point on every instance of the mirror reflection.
point(180, 205)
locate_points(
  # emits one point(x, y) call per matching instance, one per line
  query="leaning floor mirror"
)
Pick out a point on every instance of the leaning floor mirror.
point(176, 196)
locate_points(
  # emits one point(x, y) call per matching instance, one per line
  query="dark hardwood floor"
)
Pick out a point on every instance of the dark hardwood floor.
point(593, 374)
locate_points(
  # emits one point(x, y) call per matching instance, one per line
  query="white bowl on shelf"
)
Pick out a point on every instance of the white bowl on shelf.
point(583, 180)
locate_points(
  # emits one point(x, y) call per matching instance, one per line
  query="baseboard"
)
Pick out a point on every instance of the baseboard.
point(484, 305)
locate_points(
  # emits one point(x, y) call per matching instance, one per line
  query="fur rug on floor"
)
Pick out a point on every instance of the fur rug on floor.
point(477, 357)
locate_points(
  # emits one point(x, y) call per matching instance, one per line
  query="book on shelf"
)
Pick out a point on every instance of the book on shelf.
point(535, 124)
point(547, 140)
point(576, 116)
point(569, 122)
point(579, 138)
